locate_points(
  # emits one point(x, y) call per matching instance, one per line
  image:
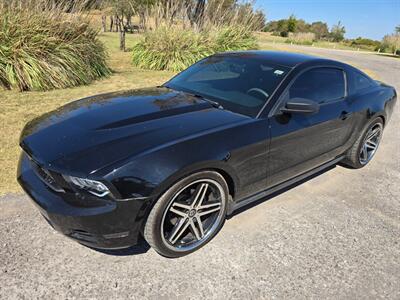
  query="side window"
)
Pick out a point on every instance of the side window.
point(321, 85)
point(358, 82)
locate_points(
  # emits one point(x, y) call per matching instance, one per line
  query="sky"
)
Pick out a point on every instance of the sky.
point(367, 18)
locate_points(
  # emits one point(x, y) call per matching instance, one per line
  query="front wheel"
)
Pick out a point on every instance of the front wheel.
point(366, 145)
point(188, 215)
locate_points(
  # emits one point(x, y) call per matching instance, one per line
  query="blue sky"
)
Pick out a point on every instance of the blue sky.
point(368, 18)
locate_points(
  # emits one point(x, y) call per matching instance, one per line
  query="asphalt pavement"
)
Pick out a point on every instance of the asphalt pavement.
point(335, 236)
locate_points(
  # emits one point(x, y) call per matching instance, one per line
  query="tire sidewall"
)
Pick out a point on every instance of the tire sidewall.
point(152, 231)
point(361, 141)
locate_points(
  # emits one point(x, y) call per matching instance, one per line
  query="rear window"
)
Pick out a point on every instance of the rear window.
point(358, 82)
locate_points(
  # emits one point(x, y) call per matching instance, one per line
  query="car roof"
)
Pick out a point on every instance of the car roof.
point(283, 58)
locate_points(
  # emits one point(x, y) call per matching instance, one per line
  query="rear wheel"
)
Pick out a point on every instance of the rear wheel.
point(188, 215)
point(366, 145)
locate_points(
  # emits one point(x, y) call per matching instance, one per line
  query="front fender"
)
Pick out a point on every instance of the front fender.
point(220, 166)
point(151, 174)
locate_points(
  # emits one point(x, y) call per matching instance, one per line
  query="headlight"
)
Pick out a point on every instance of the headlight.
point(92, 186)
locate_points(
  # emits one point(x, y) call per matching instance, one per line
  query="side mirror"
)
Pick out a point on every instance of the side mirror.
point(300, 106)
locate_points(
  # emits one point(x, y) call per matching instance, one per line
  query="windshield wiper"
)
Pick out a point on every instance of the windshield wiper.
point(213, 103)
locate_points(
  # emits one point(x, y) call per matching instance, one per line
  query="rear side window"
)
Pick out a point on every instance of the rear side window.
point(358, 82)
point(321, 85)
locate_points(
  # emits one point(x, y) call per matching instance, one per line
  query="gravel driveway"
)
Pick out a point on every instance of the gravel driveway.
point(334, 236)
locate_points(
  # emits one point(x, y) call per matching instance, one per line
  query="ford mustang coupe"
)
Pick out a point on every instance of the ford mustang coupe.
point(170, 163)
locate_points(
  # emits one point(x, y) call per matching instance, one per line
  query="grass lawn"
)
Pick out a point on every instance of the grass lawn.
point(18, 108)
point(266, 38)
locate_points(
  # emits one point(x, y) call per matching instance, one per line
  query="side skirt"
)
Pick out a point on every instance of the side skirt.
point(237, 205)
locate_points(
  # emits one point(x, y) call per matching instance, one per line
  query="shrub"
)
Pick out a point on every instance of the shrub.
point(47, 49)
point(176, 49)
point(364, 43)
point(301, 38)
point(391, 43)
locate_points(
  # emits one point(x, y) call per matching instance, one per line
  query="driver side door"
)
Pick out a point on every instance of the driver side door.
point(301, 141)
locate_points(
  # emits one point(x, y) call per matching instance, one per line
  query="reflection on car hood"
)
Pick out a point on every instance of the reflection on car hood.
point(89, 134)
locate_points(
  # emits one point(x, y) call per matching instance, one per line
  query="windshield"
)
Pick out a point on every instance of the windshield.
point(240, 84)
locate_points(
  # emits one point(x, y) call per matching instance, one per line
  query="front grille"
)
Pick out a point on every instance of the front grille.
point(46, 177)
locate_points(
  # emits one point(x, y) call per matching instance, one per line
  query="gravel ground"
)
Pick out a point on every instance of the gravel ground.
point(334, 236)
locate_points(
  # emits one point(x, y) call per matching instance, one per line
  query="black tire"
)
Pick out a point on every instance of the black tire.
point(153, 228)
point(352, 158)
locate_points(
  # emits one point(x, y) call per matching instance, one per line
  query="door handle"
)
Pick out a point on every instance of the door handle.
point(344, 115)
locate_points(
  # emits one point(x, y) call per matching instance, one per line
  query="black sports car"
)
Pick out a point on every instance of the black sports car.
point(170, 163)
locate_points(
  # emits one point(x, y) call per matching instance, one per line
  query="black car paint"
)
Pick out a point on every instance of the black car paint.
point(138, 143)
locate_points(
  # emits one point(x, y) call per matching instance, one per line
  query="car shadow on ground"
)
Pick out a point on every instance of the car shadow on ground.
point(269, 197)
point(140, 248)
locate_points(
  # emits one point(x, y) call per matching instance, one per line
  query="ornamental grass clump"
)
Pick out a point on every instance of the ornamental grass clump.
point(169, 49)
point(233, 38)
point(48, 49)
point(175, 49)
point(183, 32)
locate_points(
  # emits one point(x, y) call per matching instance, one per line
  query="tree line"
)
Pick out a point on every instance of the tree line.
point(321, 30)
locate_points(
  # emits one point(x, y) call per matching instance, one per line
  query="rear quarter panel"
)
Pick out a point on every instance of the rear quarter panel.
point(377, 101)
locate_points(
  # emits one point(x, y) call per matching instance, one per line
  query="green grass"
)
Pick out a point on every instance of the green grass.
point(331, 45)
point(266, 38)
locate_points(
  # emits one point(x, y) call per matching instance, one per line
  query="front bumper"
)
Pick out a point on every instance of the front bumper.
point(105, 224)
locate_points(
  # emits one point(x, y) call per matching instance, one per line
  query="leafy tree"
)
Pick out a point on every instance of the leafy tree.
point(292, 24)
point(123, 11)
point(302, 26)
point(271, 26)
point(282, 27)
point(320, 29)
point(337, 32)
point(397, 29)
point(141, 8)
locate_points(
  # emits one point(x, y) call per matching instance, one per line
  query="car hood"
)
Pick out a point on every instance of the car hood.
point(87, 135)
